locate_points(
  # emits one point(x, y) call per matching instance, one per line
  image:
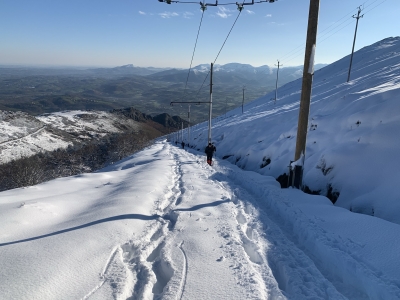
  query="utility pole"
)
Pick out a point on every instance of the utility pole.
point(354, 41)
point(244, 88)
point(189, 126)
point(276, 86)
point(210, 112)
point(306, 89)
point(226, 105)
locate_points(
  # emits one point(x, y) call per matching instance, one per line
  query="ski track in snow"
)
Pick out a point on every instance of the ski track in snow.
point(185, 270)
point(145, 258)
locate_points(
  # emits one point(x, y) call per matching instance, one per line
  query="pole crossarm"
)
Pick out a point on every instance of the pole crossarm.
point(203, 5)
point(190, 102)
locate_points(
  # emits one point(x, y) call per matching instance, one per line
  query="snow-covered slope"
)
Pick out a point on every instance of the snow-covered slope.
point(353, 142)
point(22, 135)
point(162, 224)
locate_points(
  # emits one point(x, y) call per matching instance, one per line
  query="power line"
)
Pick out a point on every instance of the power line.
point(194, 50)
point(203, 6)
point(350, 21)
point(320, 34)
point(240, 11)
point(293, 55)
point(228, 36)
point(347, 22)
point(374, 6)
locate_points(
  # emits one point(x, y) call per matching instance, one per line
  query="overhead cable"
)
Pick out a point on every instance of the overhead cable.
point(240, 11)
point(323, 37)
point(194, 50)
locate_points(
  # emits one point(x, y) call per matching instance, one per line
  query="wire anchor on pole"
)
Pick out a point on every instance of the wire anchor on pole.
point(240, 5)
point(168, 1)
point(203, 5)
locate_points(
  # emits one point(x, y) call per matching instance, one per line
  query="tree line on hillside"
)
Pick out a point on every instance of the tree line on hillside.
point(73, 160)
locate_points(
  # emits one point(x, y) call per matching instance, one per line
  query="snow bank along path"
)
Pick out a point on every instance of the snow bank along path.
point(163, 224)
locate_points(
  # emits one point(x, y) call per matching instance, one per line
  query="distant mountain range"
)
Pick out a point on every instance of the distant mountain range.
point(233, 73)
point(150, 90)
point(228, 73)
point(126, 70)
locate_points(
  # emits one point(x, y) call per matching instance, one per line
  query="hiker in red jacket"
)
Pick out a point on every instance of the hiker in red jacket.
point(210, 149)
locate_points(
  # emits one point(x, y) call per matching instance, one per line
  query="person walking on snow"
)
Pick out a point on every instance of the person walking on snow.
point(183, 145)
point(210, 149)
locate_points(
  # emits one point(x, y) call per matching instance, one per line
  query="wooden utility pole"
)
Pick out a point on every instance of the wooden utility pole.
point(244, 88)
point(354, 41)
point(306, 89)
point(276, 86)
point(210, 112)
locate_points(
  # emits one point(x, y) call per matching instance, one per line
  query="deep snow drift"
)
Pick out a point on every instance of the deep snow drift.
point(353, 140)
point(163, 224)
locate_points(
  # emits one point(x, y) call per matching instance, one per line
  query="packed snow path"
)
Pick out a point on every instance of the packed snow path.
point(164, 225)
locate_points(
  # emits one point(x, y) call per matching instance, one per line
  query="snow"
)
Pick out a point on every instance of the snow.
point(352, 142)
point(31, 144)
point(22, 135)
point(162, 224)
point(85, 122)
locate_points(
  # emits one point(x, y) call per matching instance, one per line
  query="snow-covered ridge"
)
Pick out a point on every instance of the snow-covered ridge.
point(23, 135)
point(352, 145)
point(246, 68)
point(233, 67)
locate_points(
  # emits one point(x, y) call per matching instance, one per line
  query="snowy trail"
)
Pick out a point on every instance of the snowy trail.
point(163, 224)
point(246, 244)
point(213, 241)
point(22, 137)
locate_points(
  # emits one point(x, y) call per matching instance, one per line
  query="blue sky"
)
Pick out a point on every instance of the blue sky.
point(149, 33)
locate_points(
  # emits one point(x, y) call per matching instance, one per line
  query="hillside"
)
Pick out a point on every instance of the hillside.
point(24, 135)
point(352, 144)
